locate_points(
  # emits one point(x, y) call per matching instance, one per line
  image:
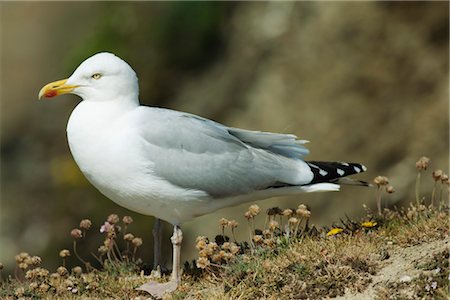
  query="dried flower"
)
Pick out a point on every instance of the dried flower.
point(203, 262)
point(303, 211)
point(233, 224)
point(390, 189)
point(106, 227)
point(113, 219)
point(36, 260)
point(422, 163)
point(334, 231)
point(76, 233)
point(287, 212)
point(211, 247)
point(127, 220)
point(437, 174)
point(226, 246)
point(33, 285)
point(23, 266)
point(223, 222)
point(61, 271)
point(128, 237)
point(293, 220)
point(44, 287)
point(102, 249)
point(234, 249)
point(137, 242)
point(266, 233)
point(203, 253)
point(274, 211)
point(381, 180)
point(248, 215)
point(19, 292)
point(257, 238)
point(444, 178)
point(21, 257)
point(64, 253)
point(254, 209)
point(77, 270)
point(201, 238)
point(273, 225)
point(201, 244)
point(85, 224)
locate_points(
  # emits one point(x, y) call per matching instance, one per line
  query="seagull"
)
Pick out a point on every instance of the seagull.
point(173, 165)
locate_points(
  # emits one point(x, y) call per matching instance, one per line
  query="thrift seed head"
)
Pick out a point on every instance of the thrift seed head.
point(266, 233)
point(444, 178)
point(137, 242)
point(223, 222)
point(113, 219)
point(64, 253)
point(390, 189)
point(381, 180)
point(76, 233)
point(233, 224)
point(254, 209)
point(44, 287)
point(293, 220)
point(34, 285)
point(36, 260)
point(203, 262)
point(23, 266)
point(21, 257)
point(422, 163)
point(106, 227)
point(437, 174)
point(273, 225)
point(235, 249)
point(226, 246)
point(201, 244)
point(303, 211)
point(257, 238)
point(248, 215)
point(61, 271)
point(19, 292)
point(85, 224)
point(287, 212)
point(274, 211)
point(203, 253)
point(102, 249)
point(127, 220)
point(128, 237)
point(77, 270)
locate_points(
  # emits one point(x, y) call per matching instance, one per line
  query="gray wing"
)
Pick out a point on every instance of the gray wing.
point(197, 153)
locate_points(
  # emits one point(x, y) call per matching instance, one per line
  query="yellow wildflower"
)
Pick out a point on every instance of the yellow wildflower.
point(334, 231)
point(369, 224)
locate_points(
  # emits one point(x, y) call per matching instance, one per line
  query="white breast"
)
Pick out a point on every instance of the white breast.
point(110, 154)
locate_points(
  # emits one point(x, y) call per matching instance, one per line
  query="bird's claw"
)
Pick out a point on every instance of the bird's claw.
point(157, 289)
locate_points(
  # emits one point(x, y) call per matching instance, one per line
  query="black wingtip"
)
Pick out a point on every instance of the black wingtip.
point(331, 171)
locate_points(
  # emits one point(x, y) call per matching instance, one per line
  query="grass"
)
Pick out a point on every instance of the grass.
point(389, 254)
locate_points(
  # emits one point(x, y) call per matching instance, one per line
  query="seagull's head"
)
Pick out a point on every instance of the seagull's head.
point(102, 77)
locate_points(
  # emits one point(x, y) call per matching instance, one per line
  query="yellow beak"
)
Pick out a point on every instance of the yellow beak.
point(56, 88)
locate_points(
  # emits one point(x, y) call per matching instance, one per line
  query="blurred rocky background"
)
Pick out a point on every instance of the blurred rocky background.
point(363, 81)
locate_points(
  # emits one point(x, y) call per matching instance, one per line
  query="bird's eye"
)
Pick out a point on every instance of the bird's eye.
point(96, 75)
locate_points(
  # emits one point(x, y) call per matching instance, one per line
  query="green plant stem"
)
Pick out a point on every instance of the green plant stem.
point(418, 187)
point(379, 200)
point(433, 193)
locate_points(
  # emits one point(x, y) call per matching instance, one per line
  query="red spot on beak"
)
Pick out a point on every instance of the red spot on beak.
point(50, 94)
